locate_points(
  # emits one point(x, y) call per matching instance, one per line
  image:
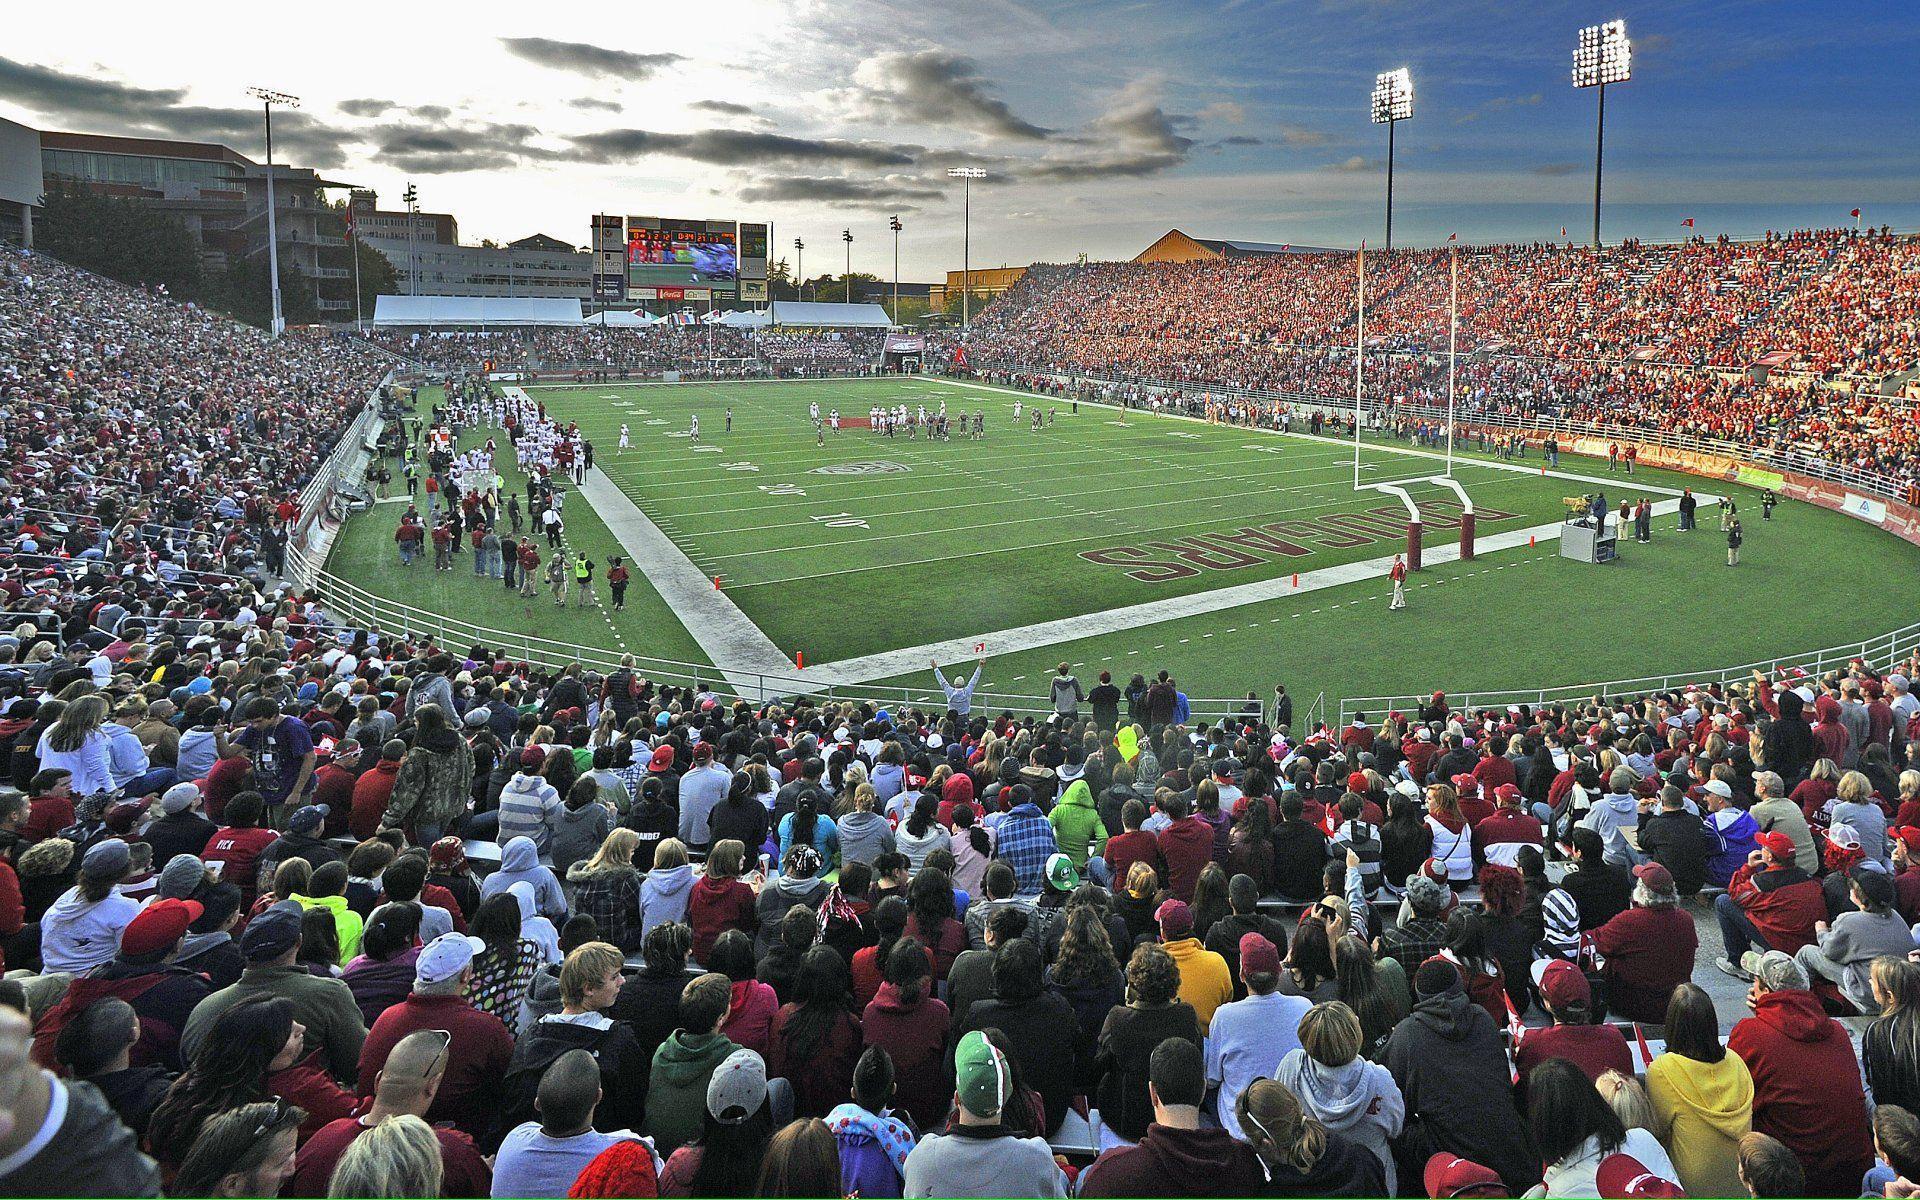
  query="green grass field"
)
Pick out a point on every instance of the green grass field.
point(871, 544)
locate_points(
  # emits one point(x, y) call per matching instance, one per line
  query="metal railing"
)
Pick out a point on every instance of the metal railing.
point(1882, 651)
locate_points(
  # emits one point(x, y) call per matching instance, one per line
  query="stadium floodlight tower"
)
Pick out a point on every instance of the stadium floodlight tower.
point(894, 224)
point(268, 98)
point(966, 176)
point(846, 235)
point(799, 268)
point(1392, 104)
point(1602, 56)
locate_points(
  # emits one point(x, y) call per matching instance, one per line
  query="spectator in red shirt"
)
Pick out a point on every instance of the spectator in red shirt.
point(238, 846)
point(232, 774)
point(52, 806)
point(1771, 902)
point(1568, 999)
point(1186, 845)
point(1495, 769)
point(373, 790)
point(1357, 736)
point(1649, 948)
point(334, 784)
point(478, 1051)
point(1134, 844)
point(1419, 752)
point(1498, 838)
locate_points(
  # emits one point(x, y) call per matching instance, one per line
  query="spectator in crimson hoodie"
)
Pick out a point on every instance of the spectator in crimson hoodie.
point(1474, 806)
point(372, 790)
point(721, 901)
point(1499, 837)
point(1568, 999)
point(1186, 845)
point(753, 1005)
point(1806, 1077)
point(231, 774)
point(52, 806)
point(478, 1052)
point(333, 787)
point(1771, 903)
point(163, 996)
point(1495, 769)
point(907, 1022)
point(1419, 752)
point(1649, 948)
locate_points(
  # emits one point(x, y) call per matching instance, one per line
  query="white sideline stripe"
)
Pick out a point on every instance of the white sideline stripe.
point(734, 644)
point(1134, 617)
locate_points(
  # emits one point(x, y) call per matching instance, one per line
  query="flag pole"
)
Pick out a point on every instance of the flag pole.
point(1453, 346)
point(1359, 356)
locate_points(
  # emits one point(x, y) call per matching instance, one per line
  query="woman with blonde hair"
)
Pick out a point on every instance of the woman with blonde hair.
point(1340, 1089)
point(1854, 804)
point(398, 1158)
point(1628, 1099)
point(667, 887)
point(1302, 1157)
point(77, 743)
point(606, 887)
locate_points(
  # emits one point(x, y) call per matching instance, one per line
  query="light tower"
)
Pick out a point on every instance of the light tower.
point(1603, 55)
point(894, 224)
point(411, 197)
point(268, 98)
point(846, 235)
point(799, 268)
point(1392, 104)
point(966, 175)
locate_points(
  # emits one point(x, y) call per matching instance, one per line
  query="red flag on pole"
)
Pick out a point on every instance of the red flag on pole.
point(1688, 222)
point(1856, 214)
point(1453, 237)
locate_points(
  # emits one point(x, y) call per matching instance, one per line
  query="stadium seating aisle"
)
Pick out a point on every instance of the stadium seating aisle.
point(250, 907)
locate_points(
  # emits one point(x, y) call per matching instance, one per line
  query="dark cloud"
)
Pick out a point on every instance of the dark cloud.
point(1241, 139)
point(365, 107)
point(431, 112)
point(1135, 136)
point(583, 58)
point(737, 148)
point(593, 104)
point(54, 93)
point(449, 150)
point(935, 87)
point(898, 194)
point(725, 108)
point(1558, 168)
point(1498, 104)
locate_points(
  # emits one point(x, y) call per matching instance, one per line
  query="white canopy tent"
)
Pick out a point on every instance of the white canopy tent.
point(830, 316)
point(473, 311)
point(615, 318)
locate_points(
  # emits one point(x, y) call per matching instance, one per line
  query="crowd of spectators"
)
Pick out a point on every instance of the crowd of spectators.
point(287, 908)
point(642, 352)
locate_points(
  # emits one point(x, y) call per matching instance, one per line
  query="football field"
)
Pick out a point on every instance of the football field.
point(870, 542)
point(1128, 541)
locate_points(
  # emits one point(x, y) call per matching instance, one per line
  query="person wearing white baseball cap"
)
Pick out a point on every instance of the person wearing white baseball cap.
point(181, 828)
point(478, 1051)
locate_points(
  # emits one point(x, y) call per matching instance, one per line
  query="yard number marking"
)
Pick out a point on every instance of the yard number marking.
point(841, 520)
point(783, 489)
point(738, 466)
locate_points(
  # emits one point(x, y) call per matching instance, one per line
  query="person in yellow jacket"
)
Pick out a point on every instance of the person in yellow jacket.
point(1702, 1097)
point(1205, 982)
point(329, 891)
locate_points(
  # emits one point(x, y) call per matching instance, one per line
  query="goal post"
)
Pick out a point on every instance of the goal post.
point(1416, 526)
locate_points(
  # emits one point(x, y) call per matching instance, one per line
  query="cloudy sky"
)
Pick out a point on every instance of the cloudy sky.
point(1101, 123)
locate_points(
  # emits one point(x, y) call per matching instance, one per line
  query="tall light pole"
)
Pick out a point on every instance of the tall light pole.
point(268, 98)
point(846, 235)
point(966, 175)
point(412, 198)
point(1392, 104)
point(1602, 56)
point(894, 224)
point(799, 268)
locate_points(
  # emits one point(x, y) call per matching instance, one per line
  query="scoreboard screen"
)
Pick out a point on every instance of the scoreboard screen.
point(669, 253)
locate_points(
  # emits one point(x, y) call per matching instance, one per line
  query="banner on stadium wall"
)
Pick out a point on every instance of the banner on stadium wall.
point(1759, 477)
point(1864, 508)
point(1901, 520)
point(1693, 462)
point(669, 293)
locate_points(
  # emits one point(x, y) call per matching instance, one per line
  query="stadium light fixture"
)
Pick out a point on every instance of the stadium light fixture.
point(846, 235)
point(1392, 104)
point(966, 176)
point(799, 268)
point(411, 198)
point(1603, 55)
point(893, 223)
point(268, 98)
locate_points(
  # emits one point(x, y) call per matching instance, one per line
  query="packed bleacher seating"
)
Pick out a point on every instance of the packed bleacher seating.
point(291, 909)
point(709, 351)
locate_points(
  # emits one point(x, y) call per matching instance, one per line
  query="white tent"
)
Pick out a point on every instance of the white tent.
point(743, 319)
point(472, 311)
point(615, 318)
point(831, 316)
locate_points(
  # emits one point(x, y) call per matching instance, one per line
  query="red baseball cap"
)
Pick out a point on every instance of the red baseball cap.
point(1777, 844)
point(1466, 785)
point(158, 926)
point(1357, 782)
point(1449, 1175)
point(1623, 1175)
point(1562, 985)
point(662, 759)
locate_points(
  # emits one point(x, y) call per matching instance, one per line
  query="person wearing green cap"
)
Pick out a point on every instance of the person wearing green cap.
point(977, 1156)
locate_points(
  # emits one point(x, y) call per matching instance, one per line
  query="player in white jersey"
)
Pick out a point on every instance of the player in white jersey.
point(693, 427)
point(943, 410)
point(813, 411)
point(1016, 410)
point(625, 441)
point(833, 421)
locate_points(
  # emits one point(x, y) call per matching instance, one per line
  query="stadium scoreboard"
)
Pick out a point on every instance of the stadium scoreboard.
point(674, 259)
